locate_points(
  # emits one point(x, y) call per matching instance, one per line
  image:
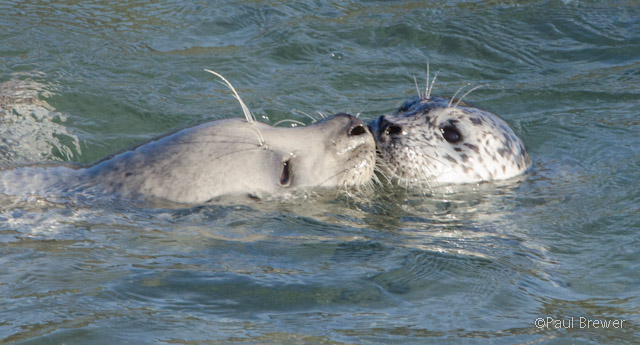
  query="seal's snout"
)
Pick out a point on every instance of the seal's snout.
point(357, 130)
point(353, 146)
point(356, 126)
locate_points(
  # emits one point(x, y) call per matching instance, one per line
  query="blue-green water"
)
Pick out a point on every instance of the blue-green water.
point(477, 266)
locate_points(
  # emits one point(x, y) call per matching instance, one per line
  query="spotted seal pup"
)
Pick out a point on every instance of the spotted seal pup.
point(225, 157)
point(438, 141)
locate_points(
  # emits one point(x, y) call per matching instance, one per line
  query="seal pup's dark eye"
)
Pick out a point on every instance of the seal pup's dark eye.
point(451, 134)
point(285, 176)
point(357, 130)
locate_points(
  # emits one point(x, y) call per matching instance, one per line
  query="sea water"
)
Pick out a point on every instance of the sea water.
point(549, 258)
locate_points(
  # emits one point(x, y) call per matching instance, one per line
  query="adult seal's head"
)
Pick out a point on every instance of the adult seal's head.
point(237, 156)
point(437, 141)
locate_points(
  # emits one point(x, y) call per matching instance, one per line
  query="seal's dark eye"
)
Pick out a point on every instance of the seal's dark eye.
point(393, 130)
point(285, 176)
point(357, 130)
point(451, 134)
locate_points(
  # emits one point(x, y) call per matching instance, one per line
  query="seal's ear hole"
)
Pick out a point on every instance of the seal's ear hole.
point(451, 134)
point(285, 176)
point(393, 130)
point(357, 130)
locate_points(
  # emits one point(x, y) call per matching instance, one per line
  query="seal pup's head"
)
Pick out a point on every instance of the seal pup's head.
point(434, 141)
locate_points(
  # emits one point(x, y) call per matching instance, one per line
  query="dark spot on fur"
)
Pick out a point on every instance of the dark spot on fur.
point(476, 121)
point(507, 140)
point(457, 149)
point(472, 147)
point(450, 158)
point(505, 151)
point(464, 157)
point(127, 174)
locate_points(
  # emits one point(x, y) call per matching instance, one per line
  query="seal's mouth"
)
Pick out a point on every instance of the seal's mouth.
point(360, 173)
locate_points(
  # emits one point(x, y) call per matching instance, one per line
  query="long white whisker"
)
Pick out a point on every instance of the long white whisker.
point(381, 171)
point(381, 167)
point(430, 88)
point(344, 171)
point(313, 119)
point(374, 179)
point(289, 120)
point(426, 82)
point(377, 170)
point(415, 81)
point(455, 94)
point(257, 133)
point(247, 113)
point(468, 92)
point(233, 152)
point(426, 181)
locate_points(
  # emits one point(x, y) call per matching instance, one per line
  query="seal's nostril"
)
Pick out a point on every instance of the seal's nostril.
point(387, 128)
point(357, 130)
point(393, 130)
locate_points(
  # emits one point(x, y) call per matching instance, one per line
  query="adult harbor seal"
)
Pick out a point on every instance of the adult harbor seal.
point(437, 141)
point(233, 156)
point(226, 157)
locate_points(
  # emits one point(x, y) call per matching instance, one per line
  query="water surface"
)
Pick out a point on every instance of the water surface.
point(474, 265)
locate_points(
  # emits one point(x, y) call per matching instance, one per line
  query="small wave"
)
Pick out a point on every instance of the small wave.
point(30, 128)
